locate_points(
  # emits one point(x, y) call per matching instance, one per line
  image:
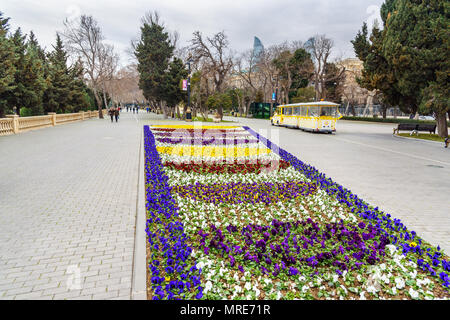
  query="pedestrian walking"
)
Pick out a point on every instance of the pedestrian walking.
point(111, 113)
point(116, 114)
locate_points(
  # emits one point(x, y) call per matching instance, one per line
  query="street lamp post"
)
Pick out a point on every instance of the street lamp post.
point(276, 96)
point(188, 116)
point(189, 83)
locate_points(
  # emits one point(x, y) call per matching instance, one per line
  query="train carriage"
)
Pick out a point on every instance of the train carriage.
point(314, 116)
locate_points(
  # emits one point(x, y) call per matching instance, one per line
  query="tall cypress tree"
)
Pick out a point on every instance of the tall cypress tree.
point(153, 52)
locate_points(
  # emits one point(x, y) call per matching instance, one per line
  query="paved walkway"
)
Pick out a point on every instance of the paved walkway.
point(407, 178)
point(68, 210)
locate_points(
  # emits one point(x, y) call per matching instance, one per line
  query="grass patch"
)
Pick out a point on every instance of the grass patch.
point(423, 136)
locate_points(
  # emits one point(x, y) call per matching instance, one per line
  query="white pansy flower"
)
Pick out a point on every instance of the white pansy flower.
point(208, 287)
point(399, 283)
point(372, 289)
point(414, 294)
point(391, 248)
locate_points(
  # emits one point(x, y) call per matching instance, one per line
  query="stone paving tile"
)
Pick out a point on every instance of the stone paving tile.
point(69, 201)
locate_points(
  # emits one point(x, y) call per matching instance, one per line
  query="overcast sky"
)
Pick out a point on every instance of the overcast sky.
point(273, 21)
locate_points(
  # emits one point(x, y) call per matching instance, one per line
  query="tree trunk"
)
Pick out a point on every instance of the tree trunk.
point(441, 120)
point(164, 109)
point(384, 109)
point(99, 103)
point(247, 108)
point(220, 112)
point(104, 99)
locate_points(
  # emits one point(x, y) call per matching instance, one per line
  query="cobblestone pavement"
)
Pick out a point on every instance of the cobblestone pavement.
point(68, 209)
point(407, 178)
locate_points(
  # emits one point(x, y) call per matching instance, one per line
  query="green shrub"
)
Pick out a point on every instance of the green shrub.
point(26, 112)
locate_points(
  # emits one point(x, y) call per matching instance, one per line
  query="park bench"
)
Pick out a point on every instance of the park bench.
point(416, 127)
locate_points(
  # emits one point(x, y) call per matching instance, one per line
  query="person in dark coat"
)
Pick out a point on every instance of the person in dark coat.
point(111, 113)
point(116, 114)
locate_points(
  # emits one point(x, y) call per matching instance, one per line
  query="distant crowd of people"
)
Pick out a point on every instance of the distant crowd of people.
point(114, 112)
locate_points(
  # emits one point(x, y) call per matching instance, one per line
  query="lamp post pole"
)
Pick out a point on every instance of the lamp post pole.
point(189, 84)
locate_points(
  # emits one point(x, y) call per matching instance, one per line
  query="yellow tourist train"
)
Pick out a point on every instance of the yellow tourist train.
point(314, 116)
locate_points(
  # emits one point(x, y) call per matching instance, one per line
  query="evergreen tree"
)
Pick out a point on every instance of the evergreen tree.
point(153, 52)
point(28, 78)
point(7, 65)
point(79, 98)
point(173, 93)
point(416, 45)
point(377, 74)
point(56, 97)
point(33, 42)
point(408, 61)
point(4, 26)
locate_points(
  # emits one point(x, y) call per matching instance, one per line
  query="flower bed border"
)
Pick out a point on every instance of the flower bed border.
point(168, 237)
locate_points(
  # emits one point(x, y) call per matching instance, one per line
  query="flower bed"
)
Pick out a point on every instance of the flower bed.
point(264, 225)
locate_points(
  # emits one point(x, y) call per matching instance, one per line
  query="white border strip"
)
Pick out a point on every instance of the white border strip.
point(139, 279)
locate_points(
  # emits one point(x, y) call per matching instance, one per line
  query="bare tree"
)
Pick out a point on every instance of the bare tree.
point(320, 48)
point(269, 71)
point(214, 52)
point(252, 79)
point(83, 39)
point(106, 68)
point(125, 85)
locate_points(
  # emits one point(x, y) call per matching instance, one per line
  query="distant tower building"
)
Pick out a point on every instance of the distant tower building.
point(258, 49)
